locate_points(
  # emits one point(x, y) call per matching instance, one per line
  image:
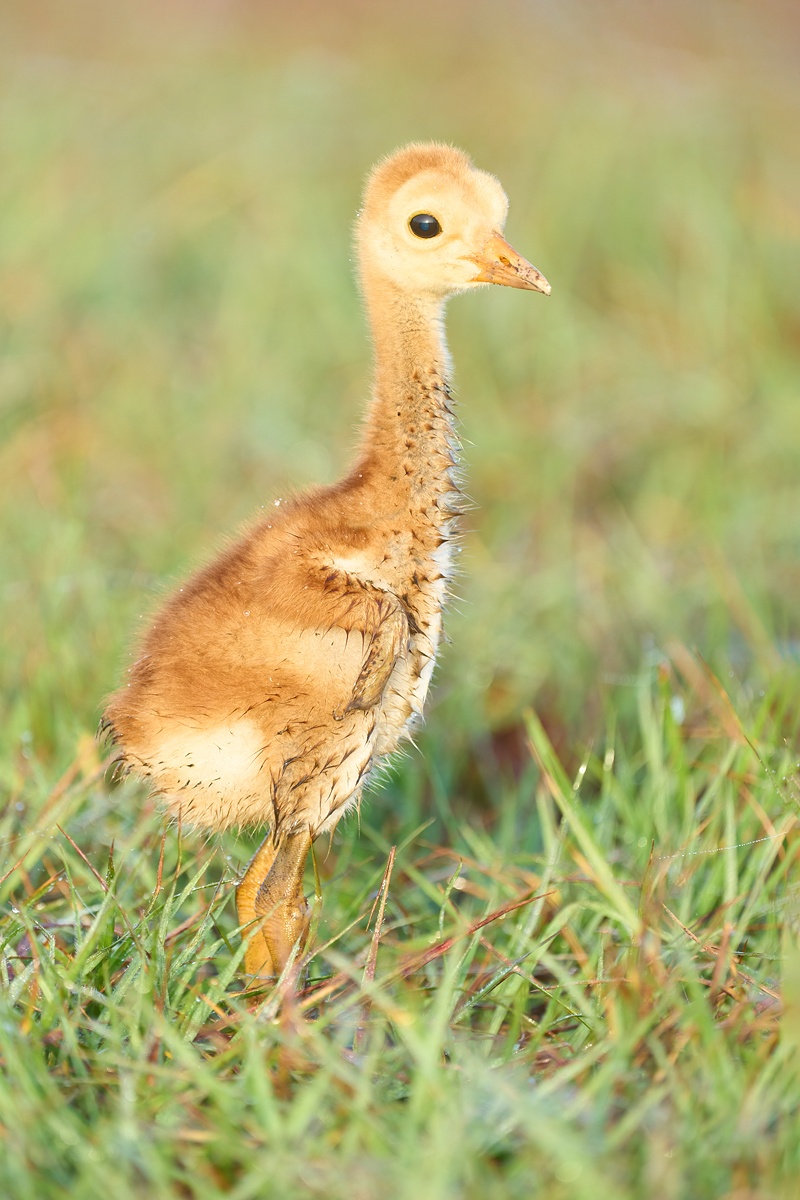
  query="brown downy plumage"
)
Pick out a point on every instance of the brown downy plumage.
point(270, 685)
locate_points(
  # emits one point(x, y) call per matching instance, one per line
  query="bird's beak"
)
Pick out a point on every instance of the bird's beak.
point(500, 263)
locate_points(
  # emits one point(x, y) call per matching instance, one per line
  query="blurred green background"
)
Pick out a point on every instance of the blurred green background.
point(181, 339)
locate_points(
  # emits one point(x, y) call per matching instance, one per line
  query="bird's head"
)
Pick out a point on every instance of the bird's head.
point(432, 223)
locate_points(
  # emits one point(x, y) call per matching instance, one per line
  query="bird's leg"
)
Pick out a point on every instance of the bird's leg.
point(280, 900)
point(271, 893)
point(257, 958)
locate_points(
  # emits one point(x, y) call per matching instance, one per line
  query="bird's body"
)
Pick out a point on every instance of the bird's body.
point(238, 703)
point(277, 677)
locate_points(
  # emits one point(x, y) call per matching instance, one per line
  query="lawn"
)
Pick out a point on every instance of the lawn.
point(558, 953)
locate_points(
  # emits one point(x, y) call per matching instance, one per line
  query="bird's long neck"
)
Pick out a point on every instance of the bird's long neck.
point(409, 449)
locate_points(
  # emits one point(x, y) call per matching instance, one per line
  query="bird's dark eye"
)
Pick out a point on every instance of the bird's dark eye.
point(424, 225)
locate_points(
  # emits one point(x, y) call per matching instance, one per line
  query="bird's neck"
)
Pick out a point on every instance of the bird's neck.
point(409, 449)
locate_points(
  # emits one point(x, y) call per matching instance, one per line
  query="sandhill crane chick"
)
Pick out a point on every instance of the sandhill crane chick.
point(271, 684)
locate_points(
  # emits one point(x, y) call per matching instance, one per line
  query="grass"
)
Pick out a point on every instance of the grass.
point(560, 952)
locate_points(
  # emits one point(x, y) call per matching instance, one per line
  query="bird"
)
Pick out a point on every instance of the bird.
point(274, 681)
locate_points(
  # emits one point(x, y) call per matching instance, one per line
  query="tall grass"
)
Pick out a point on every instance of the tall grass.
point(581, 975)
